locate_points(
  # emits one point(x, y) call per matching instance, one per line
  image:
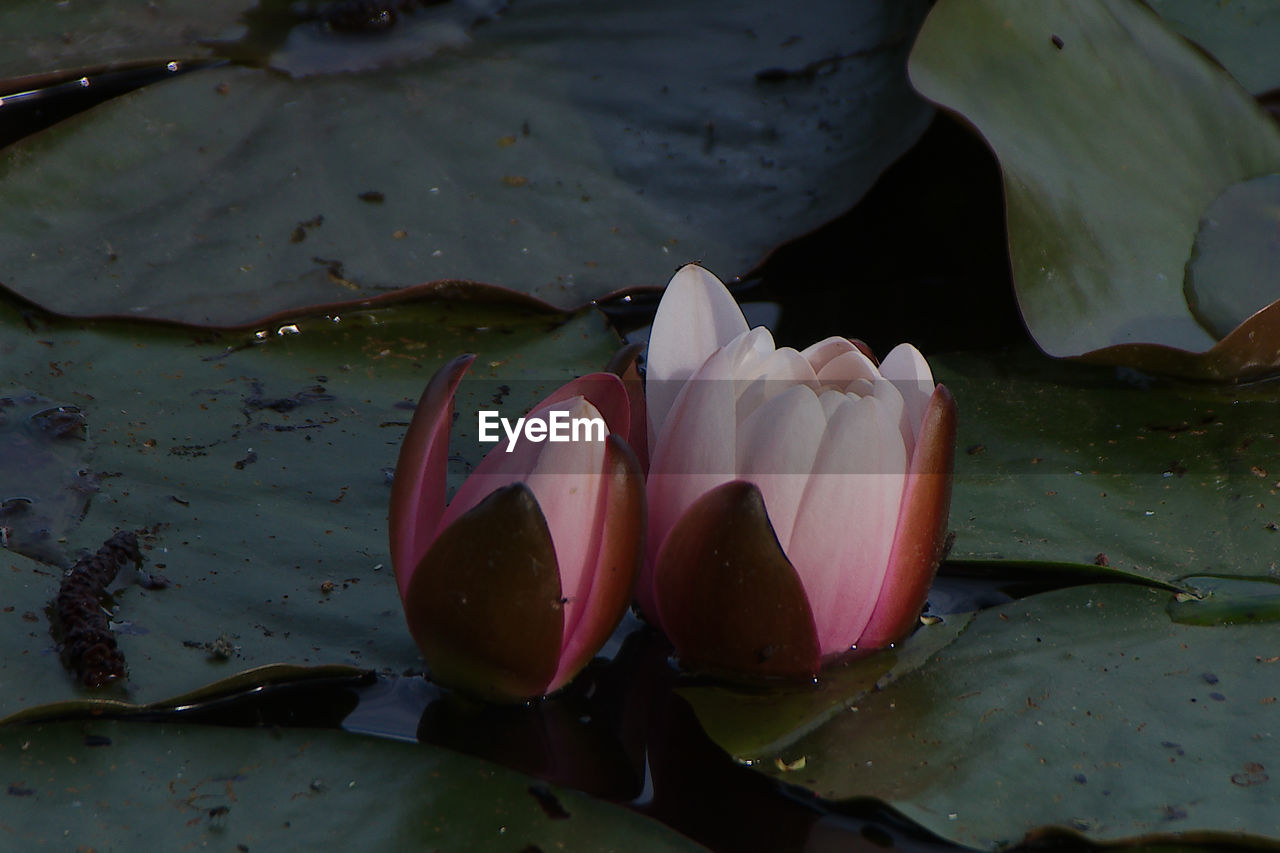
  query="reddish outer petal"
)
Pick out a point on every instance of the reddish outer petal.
point(616, 564)
point(727, 596)
point(605, 391)
point(865, 349)
point(624, 365)
point(922, 526)
point(417, 493)
point(484, 605)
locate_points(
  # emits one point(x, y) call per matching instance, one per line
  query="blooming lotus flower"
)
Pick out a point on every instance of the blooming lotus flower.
point(511, 588)
point(798, 499)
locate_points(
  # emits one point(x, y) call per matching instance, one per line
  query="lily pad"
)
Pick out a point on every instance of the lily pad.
point(568, 150)
point(116, 785)
point(1234, 271)
point(1228, 601)
point(1240, 34)
point(749, 724)
point(38, 37)
point(209, 697)
point(45, 479)
point(1160, 479)
point(257, 466)
point(1114, 136)
point(1083, 709)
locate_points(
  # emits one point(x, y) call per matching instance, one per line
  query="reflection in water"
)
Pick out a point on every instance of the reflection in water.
point(619, 732)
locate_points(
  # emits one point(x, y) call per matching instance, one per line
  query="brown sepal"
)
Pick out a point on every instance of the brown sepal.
point(729, 599)
point(485, 604)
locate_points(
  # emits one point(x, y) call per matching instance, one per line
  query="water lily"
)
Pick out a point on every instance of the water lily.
point(513, 586)
point(798, 499)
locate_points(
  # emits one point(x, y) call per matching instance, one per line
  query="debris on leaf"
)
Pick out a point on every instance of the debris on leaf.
point(88, 645)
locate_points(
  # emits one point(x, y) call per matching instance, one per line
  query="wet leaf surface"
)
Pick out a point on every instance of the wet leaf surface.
point(259, 463)
point(45, 476)
point(1114, 137)
point(1234, 269)
point(37, 37)
point(1241, 35)
point(1064, 462)
point(96, 784)
point(549, 154)
point(765, 721)
point(1084, 709)
point(1228, 601)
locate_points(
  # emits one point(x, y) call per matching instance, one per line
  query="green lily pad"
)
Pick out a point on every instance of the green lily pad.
point(749, 723)
point(116, 785)
point(1114, 136)
point(37, 37)
point(1240, 34)
point(1234, 270)
point(242, 683)
point(257, 465)
point(45, 478)
point(1063, 462)
point(565, 151)
point(1083, 709)
point(1228, 601)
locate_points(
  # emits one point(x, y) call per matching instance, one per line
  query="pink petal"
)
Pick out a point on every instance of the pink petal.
point(887, 393)
point(566, 481)
point(906, 368)
point(832, 400)
point(825, 350)
point(417, 492)
point(694, 452)
point(697, 316)
point(610, 579)
point(500, 468)
point(847, 367)
point(605, 391)
point(497, 469)
point(922, 527)
point(770, 375)
point(845, 527)
point(777, 444)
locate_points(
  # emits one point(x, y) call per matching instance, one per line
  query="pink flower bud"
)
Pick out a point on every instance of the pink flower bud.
point(837, 469)
point(511, 588)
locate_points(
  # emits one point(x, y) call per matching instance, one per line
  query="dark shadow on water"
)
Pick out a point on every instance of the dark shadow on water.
point(922, 257)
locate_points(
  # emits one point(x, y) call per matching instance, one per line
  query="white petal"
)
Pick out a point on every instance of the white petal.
point(567, 480)
point(906, 368)
point(694, 452)
point(772, 375)
point(697, 316)
point(831, 401)
point(860, 388)
point(887, 393)
point(845, 527)
point(847, 367)
point(777, 444)
point(825, 350)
